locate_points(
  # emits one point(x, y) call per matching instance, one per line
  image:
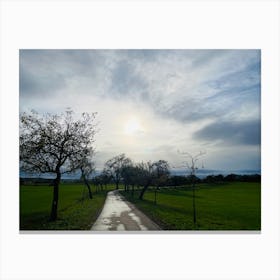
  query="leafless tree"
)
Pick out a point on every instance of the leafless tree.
point(128, 174)
point(144, 176)
point(191, 163)
point(87, 169)
point(55, 144)
point(114, 167)
point(161, 173)
point(152, 173)
point(103, 180)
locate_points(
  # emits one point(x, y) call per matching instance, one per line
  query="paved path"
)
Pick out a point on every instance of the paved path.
point(118, 214)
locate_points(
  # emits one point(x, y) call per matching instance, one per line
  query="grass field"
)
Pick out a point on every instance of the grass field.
point(229, 206)
point(74, 213)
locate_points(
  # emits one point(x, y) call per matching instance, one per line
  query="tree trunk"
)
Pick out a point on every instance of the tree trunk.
point(194, 208)
point(53, 216)
point(143, 191)
point(83, 176)
point(89, 189)
point(132, 190)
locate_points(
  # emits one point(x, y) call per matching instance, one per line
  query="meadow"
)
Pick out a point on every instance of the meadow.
point(220, 206)
point(75, 210)
point(224, 206)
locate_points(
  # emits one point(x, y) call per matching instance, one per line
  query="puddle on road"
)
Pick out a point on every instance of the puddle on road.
point(137, 220)
point(117, 215)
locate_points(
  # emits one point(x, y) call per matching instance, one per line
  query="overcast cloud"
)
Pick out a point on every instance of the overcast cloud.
point(151, 103)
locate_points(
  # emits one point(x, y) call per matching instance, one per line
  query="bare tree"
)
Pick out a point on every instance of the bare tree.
point(55, 144)
point(87, 169)
point(104, 179)
point(161, 170)
point(191, 164)
point(145, 176)
point(128, 176)
point(114, 167)
point(150, 172)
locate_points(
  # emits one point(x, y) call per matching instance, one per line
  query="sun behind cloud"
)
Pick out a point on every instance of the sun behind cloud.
point(132, 126)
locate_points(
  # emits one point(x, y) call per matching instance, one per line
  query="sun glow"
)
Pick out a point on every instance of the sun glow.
point(132, 126)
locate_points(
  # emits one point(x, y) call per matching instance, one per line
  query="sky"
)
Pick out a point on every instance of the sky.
point(155, 104)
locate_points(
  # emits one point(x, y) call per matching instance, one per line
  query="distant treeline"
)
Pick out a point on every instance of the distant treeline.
point(186, 180)
point(44, 181)
point(175, 180)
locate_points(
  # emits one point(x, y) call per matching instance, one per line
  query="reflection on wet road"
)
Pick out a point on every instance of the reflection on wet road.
point(118, 214)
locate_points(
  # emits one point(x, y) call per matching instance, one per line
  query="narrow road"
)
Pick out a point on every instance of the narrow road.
point(119, 215)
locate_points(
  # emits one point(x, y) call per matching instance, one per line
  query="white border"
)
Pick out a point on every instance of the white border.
point(156, 24)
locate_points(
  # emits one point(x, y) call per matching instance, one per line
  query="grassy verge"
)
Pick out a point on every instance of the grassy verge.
point(232, 206)
point(75, 210)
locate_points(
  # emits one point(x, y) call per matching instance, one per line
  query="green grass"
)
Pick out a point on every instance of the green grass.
point(74, 213)
point(231, 206)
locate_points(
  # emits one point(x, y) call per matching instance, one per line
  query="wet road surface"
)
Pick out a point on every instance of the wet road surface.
point(119, 215)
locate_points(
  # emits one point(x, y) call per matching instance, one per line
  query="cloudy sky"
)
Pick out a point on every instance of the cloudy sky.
point(152, 103)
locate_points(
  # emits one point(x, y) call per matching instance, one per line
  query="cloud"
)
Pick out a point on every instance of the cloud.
point(244, 133)
point(50, 71)
point(185, 99)
point(126, 83)
point(186, 85)
point(221, 97)
point(40, 83)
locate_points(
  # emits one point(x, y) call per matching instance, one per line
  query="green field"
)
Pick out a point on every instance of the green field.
point(74, 212)
point(228, 206)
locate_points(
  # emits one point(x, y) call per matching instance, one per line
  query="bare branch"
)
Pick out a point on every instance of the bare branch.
point(50, 143)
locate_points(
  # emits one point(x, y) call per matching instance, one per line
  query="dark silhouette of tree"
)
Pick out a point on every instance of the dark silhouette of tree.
point(105, 179)
point(191, 164)
point(232, 177)
point(87, 169)
point(251, 178)
point(177, 180)
point(102, 180)
point(144, 176)
point(161, 172)
point(114, 166)
point(55, 144)
point(129, 175)
point(214, 179)
point(149, 173)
